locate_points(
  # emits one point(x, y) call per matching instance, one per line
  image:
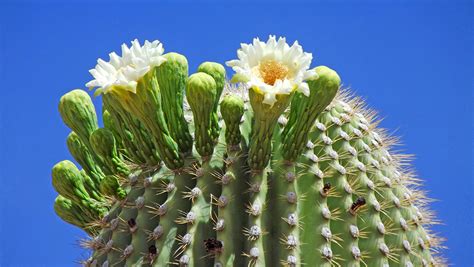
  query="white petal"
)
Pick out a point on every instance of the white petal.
point(269, 99)
point(232, 63)
point(127, 69)
point(304, 88)
point(293, 57)
point(310, 75)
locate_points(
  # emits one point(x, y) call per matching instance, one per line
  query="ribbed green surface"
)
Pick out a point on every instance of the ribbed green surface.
point(306, 182)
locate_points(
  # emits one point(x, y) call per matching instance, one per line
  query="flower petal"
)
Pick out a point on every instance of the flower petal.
point(127, 69)
point(291, 67)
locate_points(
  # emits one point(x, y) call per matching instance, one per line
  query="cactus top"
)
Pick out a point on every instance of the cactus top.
point(124, 71)
point(273, 67)
point(295, 180)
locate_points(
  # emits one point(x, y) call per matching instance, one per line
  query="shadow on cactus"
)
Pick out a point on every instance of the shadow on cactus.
point(279, 168)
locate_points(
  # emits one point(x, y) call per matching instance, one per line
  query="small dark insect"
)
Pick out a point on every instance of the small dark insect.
point(213, 245)
point(326, 188)
point(152, 250)
point(357, 205)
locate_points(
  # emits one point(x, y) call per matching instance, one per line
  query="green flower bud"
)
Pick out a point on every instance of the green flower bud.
point(71, 184)
point(305, 110)
point(111, 187)
point(78, 113)
point(68, 181)
point(217, 72)
point(69, 211)
point(232, 110)
point(84, 157)
point(324, 88)
point(201, 91)
point(77, 214)
point(201, 94)
point(171, 76)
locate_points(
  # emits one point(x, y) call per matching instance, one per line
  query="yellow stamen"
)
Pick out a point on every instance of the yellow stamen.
point(271, 70)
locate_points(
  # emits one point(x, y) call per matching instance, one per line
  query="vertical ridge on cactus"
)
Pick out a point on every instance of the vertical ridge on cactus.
point(282, 169)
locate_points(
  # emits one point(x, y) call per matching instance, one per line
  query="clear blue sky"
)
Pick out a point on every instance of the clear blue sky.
point(411, 61)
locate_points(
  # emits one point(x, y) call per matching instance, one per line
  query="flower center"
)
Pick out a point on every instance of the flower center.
point(271, 70)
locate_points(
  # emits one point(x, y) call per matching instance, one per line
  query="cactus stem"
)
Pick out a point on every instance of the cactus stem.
point(312, 185)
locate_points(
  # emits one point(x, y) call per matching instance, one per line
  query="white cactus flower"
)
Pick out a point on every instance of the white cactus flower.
point(273, 67)
point(124, 71)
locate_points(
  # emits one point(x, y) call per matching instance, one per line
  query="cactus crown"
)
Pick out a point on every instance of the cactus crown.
point(289, 171)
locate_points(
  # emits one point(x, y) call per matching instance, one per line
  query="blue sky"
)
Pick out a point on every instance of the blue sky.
point(411, 60)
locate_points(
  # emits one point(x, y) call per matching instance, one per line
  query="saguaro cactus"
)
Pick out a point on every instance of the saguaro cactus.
point(283, 168)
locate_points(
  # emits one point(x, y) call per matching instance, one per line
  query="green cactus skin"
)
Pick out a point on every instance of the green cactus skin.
point(309, 181)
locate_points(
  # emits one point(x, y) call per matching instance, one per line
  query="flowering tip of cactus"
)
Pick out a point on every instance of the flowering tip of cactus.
point(201, 90)
point(78, 112)
point(285, 169)
point(124, 71)
point(216, 71)
point(68, 181)
point(273, 68)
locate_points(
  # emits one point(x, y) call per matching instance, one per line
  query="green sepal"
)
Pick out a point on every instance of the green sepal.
point(111, 125)
point(138, 141)
point(91, 187)
point(98, 92)
point(265, 119)
point(145, 104)
point(103, 143)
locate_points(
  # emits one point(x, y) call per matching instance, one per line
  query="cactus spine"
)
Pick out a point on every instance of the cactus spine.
point(292, 173)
